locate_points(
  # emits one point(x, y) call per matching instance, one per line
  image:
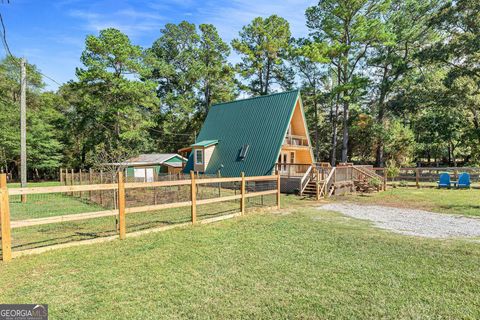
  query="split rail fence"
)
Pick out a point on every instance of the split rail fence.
point(427, 177)
point(131, 198)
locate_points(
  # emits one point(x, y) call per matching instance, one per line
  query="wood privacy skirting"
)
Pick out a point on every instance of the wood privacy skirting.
point(122, 210)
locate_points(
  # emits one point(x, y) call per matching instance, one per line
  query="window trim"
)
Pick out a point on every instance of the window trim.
point(202, 157)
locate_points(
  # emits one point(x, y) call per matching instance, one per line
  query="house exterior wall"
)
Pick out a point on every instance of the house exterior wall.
point(207, 155)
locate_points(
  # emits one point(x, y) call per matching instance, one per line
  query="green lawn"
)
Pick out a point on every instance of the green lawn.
point(36, 184)
point(464, 201)
point(299, 262)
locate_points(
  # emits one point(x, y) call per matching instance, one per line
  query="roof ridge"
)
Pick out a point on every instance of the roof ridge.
point(256, 97)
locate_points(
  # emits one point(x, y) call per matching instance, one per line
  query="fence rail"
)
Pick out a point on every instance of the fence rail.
point(127, 203)
point(427, 177)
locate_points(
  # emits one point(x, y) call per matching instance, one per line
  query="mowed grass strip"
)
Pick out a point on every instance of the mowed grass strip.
point(454, 201)
point(295, 263)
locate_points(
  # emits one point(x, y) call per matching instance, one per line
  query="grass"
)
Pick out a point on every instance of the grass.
point(464, 201)
point(49, 205)
point(299, 262)
point(36, 184)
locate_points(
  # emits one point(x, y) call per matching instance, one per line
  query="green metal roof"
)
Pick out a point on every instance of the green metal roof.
point(260, 122)
point(204, 143)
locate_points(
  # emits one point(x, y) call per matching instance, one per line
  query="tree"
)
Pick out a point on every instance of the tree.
point(43, 130)
point(263, 46)
point(311, 71)
point(115, 105)
point(348, 28)
point(406, 25)
point(217, 81)
point(192, 73)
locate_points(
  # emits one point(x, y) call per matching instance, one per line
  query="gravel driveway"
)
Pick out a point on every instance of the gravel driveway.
point(411, 222)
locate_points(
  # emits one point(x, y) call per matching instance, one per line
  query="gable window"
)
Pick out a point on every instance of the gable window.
point(198, 156)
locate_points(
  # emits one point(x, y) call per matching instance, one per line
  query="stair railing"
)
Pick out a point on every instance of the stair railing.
point(326, 189)
point(307, 177)
point(363, 173)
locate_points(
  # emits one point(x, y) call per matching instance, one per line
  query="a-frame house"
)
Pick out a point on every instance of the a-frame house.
point(257, 136)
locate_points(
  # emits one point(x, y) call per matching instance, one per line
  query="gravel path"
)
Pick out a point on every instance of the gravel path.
point(411, 222)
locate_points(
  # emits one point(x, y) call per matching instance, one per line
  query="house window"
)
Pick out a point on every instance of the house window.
point(199, 156)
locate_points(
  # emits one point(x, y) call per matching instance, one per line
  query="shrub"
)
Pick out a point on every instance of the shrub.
point(375, 183)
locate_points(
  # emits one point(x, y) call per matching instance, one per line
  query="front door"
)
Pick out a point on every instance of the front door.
point(284, 159)
point(149, 175)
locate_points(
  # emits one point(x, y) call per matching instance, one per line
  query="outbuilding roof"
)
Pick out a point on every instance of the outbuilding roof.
point(153, 159)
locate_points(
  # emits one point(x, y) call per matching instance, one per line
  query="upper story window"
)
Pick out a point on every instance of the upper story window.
point(198, 156)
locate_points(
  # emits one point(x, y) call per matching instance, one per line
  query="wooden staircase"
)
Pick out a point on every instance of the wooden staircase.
point(311, 188)
point(314, 186)
point(325, 181)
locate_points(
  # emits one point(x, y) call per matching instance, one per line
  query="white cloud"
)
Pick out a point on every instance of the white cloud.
point(230, 18)
point(130, 21)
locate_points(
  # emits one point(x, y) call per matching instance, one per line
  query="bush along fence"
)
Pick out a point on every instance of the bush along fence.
point(135, 207)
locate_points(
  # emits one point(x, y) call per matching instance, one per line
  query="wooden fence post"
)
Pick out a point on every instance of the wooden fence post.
point(242, 192)
point(417, 178)
point(90, 181)
point(5, 219)
point(318, 184)
point(219, 185)
point(101, 191)
point(80, 180)
point(278, 190)
point(384, 179)
point(121, 206)
point(72, 178)
point(193, 197)
point(61, 176)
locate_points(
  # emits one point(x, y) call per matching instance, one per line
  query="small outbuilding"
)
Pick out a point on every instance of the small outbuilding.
point(147, 167)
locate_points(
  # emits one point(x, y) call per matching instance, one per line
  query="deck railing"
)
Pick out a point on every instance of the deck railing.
point(294, 140)
point(292, 169)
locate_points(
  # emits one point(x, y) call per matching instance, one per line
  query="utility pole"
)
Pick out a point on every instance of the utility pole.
point(23, 128)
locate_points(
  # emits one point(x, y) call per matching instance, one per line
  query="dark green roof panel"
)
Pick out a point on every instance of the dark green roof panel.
point(261, 122)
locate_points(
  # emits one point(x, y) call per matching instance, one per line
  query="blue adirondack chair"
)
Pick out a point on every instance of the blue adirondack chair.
point(463, 180)
point(444, 180)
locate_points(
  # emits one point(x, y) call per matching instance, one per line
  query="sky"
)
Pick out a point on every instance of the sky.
point(51, 34)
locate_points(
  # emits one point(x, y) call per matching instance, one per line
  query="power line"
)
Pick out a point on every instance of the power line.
point(7, 50)
point(4, 38)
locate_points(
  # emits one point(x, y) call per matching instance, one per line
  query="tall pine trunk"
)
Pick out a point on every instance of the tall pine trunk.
point(345, 131)
point(334, 121)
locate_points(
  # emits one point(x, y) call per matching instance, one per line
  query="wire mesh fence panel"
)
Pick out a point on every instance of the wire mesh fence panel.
point(144, 220)
point(84, 209)
point(149, 196)
point(58, 217)
point(263, 200)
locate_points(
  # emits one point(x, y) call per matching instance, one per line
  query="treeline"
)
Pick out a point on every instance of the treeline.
point(381, 81)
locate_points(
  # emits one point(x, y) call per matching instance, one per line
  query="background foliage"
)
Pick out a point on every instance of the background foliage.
point(382, 81)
